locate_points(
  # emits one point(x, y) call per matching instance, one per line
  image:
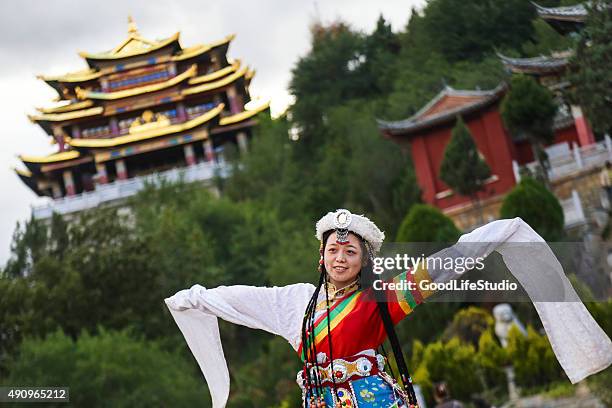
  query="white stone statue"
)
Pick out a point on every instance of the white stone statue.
point(504, 319)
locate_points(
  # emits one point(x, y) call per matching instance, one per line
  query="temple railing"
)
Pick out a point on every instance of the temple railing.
point(573, 210)
point(122, 189)
point(564, 161)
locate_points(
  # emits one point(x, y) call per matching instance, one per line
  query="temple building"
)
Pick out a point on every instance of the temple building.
point(427, 133)
point(570, 123)
point(143, 107)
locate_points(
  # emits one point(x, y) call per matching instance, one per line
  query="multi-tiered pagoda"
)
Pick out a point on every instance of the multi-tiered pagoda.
point(143, 107)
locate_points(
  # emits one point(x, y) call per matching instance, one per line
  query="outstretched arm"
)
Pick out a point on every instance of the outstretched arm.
point(580, 345)
point(278, 310)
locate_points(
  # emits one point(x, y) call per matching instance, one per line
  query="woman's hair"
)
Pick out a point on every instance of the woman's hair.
point(309, 350)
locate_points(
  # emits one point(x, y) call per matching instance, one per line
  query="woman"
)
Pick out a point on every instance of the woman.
point(337, 325)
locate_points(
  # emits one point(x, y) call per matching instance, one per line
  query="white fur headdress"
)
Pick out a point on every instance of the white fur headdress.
point(360, 225)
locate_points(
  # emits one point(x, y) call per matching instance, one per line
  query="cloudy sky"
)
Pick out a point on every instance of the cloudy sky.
point(43, 37)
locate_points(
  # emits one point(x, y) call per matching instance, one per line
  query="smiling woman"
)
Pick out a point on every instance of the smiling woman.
point(343, 262)
point(337, 326)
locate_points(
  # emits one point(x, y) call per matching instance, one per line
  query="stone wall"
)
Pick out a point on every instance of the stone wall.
point(585, 182)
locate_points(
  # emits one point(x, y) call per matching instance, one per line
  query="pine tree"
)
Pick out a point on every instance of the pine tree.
point(537, 206)
point(529, 110)
point(463, 169)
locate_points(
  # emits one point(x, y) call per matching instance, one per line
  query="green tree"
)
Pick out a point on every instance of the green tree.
point(537, 206)
point(324, 78)
point(591, 64)
point(30, 242)
point(381, 48)
point(528, 111)
point(546, 40)
point(468, 325)
point(532, 357)
point(454, 363)
point(112, 369)
point(491, 357)
point(469, 29)
point(425, 223)
point(462, 168)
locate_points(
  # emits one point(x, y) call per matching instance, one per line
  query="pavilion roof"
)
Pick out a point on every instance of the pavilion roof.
point(76, 76)
point(563, 19)
point(577, 12)
point(149, 133)
point(51, 158)
point(133, 45)
point(139, 90)
point(200, 49)
point(35, 163)
point(28, 180)
point(445, 107)
point(208, 86)
point(66, 107)
point(550, 64)
point(244, 115)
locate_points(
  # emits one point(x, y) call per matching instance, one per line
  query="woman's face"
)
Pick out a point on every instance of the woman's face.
point(342, 262)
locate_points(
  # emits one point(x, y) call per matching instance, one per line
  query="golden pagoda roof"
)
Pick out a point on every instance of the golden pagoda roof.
point(239, 117)
point(52, 158)
point(28, 180)
point(77, 76)
point(24, 173)
point(67, 107)
point(196, 50)
point(58, 117)
point(149, 133)
point(216, 74)
point(132, 46)
point(84, 94)
point(215, 84)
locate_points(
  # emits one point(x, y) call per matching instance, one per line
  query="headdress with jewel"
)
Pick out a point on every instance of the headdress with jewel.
point(343, 222)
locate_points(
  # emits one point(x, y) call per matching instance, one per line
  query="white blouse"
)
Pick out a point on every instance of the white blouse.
point(580, 345)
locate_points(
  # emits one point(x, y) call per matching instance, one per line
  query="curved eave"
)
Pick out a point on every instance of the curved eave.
point(407, 127)
point(216, 75)
point(52, 158)
point(73, 77)
point(537, 65)
point(242, 116)
point(59, 117)
point(576, 13)
point(28, 180)
point(197, 50)
point(148, 134)
point(82, 94)
point(216, 84)
point(116, 53)
point(67, 108)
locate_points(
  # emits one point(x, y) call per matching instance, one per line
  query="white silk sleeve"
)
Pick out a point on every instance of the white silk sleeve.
point(278, 310)
point(580, 345)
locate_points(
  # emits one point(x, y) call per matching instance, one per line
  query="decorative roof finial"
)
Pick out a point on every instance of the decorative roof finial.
point(132, 29)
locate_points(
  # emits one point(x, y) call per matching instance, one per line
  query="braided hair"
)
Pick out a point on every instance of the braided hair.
point(311, 373)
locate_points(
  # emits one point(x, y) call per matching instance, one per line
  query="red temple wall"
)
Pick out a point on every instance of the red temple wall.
point(492, 141)
point(524, 154)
